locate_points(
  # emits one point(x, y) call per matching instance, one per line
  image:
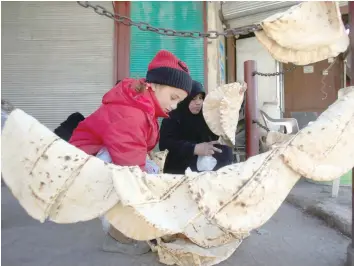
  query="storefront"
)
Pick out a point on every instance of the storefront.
point(59, 58)
point(271, 90)
point(56, 58)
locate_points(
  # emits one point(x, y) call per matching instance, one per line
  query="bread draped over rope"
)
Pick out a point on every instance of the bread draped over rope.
point(221, 110)
point(214, 211)
point(309, 32)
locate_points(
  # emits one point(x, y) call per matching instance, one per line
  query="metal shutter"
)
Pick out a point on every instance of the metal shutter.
point(185, 16)
point(243, 13)
point(56, 58)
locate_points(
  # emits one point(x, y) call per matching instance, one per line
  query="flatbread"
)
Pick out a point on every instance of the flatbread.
point(51, 178)
point(297, 28)
point(324, 150)
point(221, 109)
point(254, 190)
point(183, 253)
point(300, 34)
point(302, 57)
point(127, 221)
point(229, 109)
point(211, 210)
point(211, 111)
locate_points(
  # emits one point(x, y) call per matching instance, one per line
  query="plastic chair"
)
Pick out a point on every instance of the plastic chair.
point(290, 124)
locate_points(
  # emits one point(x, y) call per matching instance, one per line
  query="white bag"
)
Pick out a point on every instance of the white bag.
point(206, 163)
point(4, 116)
point(151, 167)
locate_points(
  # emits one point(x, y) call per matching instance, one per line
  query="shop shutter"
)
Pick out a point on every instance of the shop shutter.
point(56, 58)
point(244, 13)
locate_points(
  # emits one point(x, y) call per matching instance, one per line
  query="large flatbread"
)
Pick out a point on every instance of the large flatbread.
point(300, 34)
point(324, 150)
point(229, 109)
point(212, 210)
point(221, 109)
point(51, 178)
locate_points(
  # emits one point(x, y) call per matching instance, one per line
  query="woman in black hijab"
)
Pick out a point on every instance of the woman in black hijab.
point(186, 136)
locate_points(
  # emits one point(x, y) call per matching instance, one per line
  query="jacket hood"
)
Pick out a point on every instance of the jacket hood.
point(123, 93)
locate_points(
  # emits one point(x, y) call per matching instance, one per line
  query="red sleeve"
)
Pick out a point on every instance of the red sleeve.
point(125, 141)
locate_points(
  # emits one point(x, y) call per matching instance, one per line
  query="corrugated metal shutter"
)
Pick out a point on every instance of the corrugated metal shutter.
point(187, 16)
point(243, 13)
point(56, 58)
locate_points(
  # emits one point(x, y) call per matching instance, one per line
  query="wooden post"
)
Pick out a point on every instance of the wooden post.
point(121, 43)
point(251, 112)
point(230, 59)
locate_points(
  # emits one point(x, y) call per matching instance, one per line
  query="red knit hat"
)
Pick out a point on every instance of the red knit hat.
point(166, 69)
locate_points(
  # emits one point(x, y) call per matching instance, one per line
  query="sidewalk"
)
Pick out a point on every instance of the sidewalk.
point(315, 199)
point(288, 238)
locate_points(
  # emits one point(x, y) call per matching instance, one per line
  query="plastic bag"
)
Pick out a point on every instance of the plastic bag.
point(104, 155)
point(206, 163)
point(4, 116)
point(151, 167)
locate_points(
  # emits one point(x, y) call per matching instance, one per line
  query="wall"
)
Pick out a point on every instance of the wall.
point(181, 16)
point(309, 90)
point(216, 57)
point(251, 49)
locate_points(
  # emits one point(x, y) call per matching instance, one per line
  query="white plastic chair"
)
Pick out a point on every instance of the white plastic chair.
point(290, 124)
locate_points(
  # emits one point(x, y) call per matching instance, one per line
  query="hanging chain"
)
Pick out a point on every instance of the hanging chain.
point(212, 34)
point(143, 26)
point(275, 73)
point(260, 125)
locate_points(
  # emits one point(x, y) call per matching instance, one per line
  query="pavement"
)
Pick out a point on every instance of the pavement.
point(315, 199)
point(291, 237)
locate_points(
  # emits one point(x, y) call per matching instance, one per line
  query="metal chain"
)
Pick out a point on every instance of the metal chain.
point(275, 73)
point(260, 125)
point(143, 26)
point(212, 34)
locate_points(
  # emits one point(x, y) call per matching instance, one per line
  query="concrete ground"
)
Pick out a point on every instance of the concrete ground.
point(316, 200)
point(290, 238)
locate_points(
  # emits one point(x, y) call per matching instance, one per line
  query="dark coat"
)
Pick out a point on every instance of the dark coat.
point(182, 131)
point(65, 130)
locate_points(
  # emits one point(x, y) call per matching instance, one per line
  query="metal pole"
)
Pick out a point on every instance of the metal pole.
point(350, 254)
point(251, 112)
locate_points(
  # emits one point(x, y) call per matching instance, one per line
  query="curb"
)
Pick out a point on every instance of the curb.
point(332, 214)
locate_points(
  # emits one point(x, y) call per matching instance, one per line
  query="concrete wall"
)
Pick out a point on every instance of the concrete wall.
point(251, 49)
point(216, 56)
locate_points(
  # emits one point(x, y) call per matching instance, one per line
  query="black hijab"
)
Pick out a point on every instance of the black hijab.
point(182, 131)
point(193, 126)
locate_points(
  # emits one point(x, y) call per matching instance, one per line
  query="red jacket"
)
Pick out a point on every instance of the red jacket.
point(126, 124)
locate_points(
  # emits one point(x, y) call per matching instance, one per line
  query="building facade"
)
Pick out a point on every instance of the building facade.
point(59, 58)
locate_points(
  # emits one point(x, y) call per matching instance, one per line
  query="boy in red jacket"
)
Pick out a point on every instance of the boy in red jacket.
point(126, 125)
